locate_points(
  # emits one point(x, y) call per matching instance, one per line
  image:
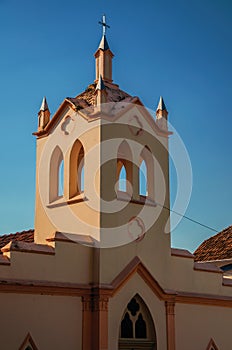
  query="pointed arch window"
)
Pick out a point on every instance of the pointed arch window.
point(76, 169)
point(124, 168)
point(56, 175)
point(61, 179)
point(143, 190)
point(137, 328)
point(122, 178)
point(146, 173)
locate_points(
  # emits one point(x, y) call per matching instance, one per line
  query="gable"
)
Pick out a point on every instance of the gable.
point(28, 343)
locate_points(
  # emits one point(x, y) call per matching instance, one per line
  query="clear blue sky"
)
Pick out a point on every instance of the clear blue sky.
point(179, 49)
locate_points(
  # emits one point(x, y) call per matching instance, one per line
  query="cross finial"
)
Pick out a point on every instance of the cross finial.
point(104, 25)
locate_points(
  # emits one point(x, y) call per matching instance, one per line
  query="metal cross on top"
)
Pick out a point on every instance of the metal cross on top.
point(104, 25)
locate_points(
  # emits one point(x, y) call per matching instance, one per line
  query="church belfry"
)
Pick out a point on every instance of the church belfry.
point(93, 143)
point(98, 271)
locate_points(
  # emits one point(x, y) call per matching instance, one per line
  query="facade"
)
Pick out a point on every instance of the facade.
point(98, 271)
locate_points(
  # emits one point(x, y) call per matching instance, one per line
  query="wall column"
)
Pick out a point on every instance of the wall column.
point(170, 324)
point(100, 322)
point(86, 323)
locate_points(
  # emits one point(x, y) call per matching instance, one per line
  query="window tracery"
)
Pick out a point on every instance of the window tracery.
point(137, 328)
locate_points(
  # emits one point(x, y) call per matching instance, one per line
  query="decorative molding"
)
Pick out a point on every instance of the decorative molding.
point(28, 341)
point(100, 303)
point(44, 287)
point(25, 247)
point(104, 292)
point(170, 307)
point(182, 253)
point(87, 303)
point(170, 322)
point(202, 266)
point(212, 345)
point(95, 303)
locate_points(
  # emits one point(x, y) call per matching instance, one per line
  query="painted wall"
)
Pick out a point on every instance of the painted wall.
point(54, 322)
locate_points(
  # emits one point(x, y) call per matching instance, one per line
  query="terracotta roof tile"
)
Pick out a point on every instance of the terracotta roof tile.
point(217, 247)
point(87, 98)
point(25, 236)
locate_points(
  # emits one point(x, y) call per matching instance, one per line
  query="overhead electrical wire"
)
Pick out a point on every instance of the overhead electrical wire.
point(188, 218)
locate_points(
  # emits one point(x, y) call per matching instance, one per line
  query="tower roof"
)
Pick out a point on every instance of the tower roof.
point(103, 43)
point(44, 105)
point(161, 105)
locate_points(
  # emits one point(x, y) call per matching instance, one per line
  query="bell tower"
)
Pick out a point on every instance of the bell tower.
point(102, 174)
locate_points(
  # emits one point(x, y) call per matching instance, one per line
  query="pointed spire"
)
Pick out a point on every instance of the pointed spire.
point(103, 44)
point(44, 105)
point(100, 84)
point(100, 95)
point(161, 114)
point(43, 115)
point(104, 56)
point(161, 105)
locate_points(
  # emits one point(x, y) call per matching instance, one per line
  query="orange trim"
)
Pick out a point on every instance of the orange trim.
point(95, 321)
point(44, 287)
point(28, 341)
point(135, 101)
point(170, 323)
point(86, 322)
point(109, 290)
point(136, 266)
point(212, 345)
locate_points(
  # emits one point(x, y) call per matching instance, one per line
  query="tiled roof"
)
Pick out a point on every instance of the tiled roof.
point(87, 98)
point(217, 247)
point(25, 236)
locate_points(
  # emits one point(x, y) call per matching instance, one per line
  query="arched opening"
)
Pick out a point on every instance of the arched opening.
point(56, 175)
point(61, 179)
point(122, 179)
point(76, 169)
point(143, 191)
point(137, 329)
point(146, 173)
point(124, 168)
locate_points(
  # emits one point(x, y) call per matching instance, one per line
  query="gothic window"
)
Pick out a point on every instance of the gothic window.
point(143, 179)
point(146, 173)
point(56, 175)
point(122, 178)
point(126, 327)
point(76, 169)
point(124, 168)
point(137, 328)
point(61, 179)
point(140, 327)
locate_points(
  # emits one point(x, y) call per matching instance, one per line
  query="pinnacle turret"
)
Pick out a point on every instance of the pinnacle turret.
point(100, 84)
point(161, 114)
point(161, 105)
point(43, 115)
point(44, 105)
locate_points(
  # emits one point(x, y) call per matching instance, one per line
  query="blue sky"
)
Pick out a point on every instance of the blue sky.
point(178, 49)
